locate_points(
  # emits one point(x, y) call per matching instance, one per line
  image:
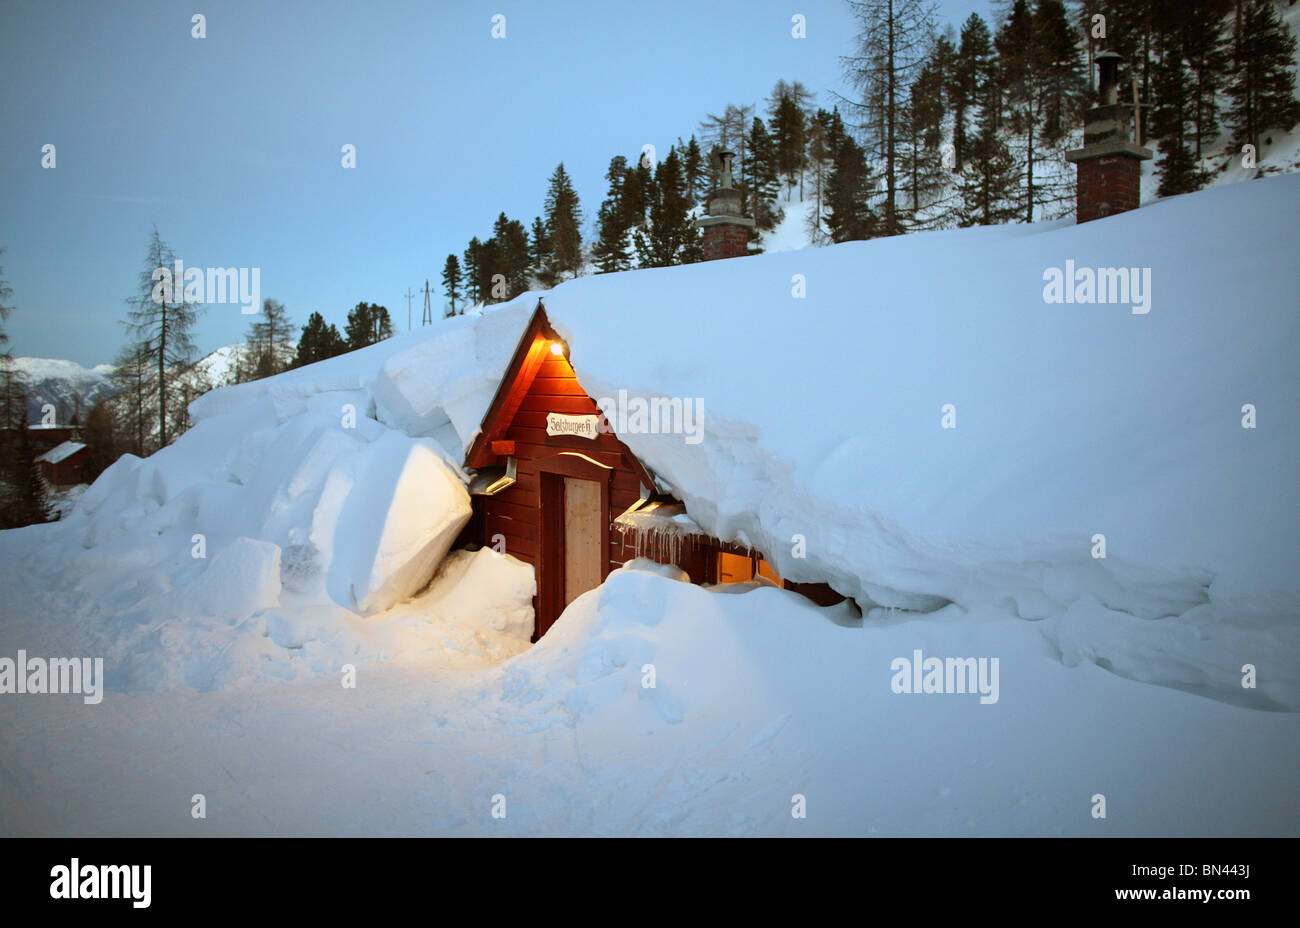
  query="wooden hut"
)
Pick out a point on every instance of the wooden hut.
point(553, 485)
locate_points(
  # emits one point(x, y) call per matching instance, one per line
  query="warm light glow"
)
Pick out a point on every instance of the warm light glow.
point(557, 348)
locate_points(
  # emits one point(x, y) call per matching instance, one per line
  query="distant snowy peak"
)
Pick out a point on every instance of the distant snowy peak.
point(218, 367)
point(72, 389)
point(67, 386)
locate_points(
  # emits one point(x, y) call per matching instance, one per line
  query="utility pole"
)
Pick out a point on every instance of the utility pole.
point(428, 308)
point(409, 297)
point(1137, 111)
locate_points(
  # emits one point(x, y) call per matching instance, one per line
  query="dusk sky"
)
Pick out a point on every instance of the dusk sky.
point(231, 144)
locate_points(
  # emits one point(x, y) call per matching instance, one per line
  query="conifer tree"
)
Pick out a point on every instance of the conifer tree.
point(848, 215)
point(491, 283)
point(539, 248)
point(6, 292)
point(786, 122)
point(759, 177)
point(670, 236)
point(1206, 52)
point(318, 341)
point(268, 340)
point(1172, 112)
point(821, 159)
point(892, 41)
point(988, 183)
point(694, 170)
point(612, 221)
point(162, 319)
point(473, 272)
point(1060, 84)
point(563, 225)
point(130, 377)
point(1025, 72)
point(967, 80)
point(923, 131)
point(368, 324)
point(1262, 88)
point(24, 496)
point(102, 438)
point(512, 246)
point(728, 132)
point(451, 282)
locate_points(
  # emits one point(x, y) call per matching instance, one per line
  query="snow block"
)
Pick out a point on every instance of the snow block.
point(241, 579)
point(386, 517)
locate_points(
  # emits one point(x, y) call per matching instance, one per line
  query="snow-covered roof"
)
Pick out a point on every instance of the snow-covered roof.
point(827, 376)
point(61, 452)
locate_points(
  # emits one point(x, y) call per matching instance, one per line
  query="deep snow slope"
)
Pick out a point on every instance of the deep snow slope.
point(824, 419)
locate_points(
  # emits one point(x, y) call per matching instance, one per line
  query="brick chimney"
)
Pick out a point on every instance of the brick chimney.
point(726, 231)
point(1109, 163)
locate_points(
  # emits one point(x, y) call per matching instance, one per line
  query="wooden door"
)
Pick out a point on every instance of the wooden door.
point(583, 537)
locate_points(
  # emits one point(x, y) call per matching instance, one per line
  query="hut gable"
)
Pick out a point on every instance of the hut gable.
point(556, 482)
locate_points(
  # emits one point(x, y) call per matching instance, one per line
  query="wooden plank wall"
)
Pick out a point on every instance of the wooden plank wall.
point(514, 513)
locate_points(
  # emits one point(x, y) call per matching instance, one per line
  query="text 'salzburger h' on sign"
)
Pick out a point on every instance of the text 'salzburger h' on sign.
point(581, 426)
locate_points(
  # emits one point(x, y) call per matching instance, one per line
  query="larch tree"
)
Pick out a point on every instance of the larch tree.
point(893, 39)
point(161, 319)
point(131, 378)
point(269, 340)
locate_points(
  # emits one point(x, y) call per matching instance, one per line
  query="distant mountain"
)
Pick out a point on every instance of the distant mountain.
point(73, 389)
point(67, 386)
point(218, 367)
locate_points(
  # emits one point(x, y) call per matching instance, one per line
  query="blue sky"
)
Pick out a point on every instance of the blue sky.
point(231, 143)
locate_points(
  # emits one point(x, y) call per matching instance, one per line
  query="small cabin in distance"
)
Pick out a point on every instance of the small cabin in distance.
point(553, 485)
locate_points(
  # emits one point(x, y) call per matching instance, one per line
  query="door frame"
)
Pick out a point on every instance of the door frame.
point(551, 472)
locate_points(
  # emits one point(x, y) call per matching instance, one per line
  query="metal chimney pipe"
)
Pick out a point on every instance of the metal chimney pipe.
point(1109, 88)
point(724, 182)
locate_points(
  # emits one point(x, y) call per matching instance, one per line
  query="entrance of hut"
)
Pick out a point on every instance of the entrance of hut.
point(582, 532)
point(574, 552)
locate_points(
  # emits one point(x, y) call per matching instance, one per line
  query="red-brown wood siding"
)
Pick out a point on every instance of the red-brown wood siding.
point(515, 513)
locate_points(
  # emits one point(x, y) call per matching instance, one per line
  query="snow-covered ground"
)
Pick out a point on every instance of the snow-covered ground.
point(759, 697)
point(322, 500)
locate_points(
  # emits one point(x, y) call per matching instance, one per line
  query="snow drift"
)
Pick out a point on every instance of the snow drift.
point(827, 377)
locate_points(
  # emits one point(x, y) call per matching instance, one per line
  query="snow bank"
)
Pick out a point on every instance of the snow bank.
point(486, 590)
point(827, 378)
